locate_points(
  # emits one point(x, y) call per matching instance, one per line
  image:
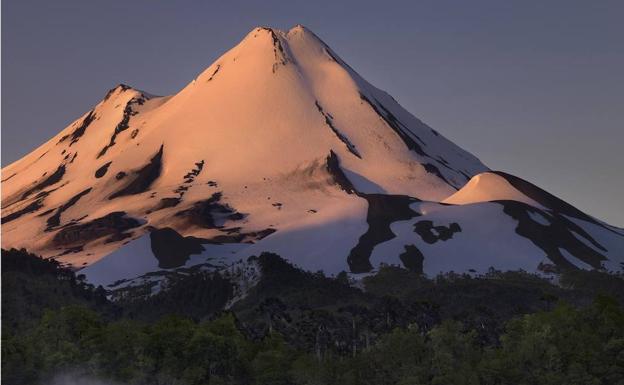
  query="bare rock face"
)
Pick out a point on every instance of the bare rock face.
point(113, 224)
point(142, 178)
point(172, 249)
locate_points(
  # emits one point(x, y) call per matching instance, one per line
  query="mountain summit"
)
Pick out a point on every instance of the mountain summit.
point(281, 146)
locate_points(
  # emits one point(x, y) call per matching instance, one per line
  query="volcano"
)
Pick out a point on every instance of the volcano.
point(281, 146)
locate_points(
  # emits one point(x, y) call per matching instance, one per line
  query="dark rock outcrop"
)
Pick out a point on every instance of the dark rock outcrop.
point(111, 224)
point(547, 200)
point(100, 172)
point(172, 249)
point(431, 234)
point(207, 212)
point(329, 122)
point(402, 131)
point(80, 130)
point(558, 234)
point(235, 236)
point(383, 210)
point(165, 203)
point(53, 178)
point(332, 165)
point(143, 178)
point(124, 123)
point(30, 208)
point(55, 219)
point(412, 259)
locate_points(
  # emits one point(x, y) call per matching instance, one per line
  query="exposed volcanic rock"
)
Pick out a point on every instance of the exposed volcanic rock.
point(278, 49)
point(258, 235)
point(54, 178)
point(392, 122)
point(71, 250)
point(123, 87)
point(15, 209)
point(546, 199)
point(100, 172)
point(329, 122)
point(383, 210)
point(111, 224)
point(409, 138)
point(431, 234)
point(235, 236)
point(333, 167)
point(210, 213)
point(181, 190)
point(55, 219)
point(80, 130)
point(45, 153)
point(554, 236)
point(172, 249)
point(190, 176)
point(30, 208)
point(165, 203)
point(124, 123)
point(412, 259)
point(46, 213)
point(9, 177)
point(215, 72)
point(143, 178)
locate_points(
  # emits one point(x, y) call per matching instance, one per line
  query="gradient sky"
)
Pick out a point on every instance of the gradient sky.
point(534, 88)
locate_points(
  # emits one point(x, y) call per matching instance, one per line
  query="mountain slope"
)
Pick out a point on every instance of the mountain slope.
point(277, 146)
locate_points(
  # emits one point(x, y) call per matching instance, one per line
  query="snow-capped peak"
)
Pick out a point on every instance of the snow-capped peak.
point(278, 145)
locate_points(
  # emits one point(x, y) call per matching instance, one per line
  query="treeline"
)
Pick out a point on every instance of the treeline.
point(561, 346)
point(298, 327)
point(31, 285)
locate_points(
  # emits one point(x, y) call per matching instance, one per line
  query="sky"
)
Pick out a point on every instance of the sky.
point(533, 88)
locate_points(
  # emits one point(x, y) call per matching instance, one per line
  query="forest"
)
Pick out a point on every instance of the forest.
point(296, 327)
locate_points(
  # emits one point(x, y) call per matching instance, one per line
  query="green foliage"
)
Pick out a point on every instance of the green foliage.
point(455, 355)
point(296, 327)
point(196, 296)
point(563, 346)
point(173, 350)
point(594, 282)
point(400, 356)
point(272, 363)
point(31, 285)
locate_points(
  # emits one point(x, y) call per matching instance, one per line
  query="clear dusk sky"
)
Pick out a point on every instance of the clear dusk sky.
point(534, 88)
